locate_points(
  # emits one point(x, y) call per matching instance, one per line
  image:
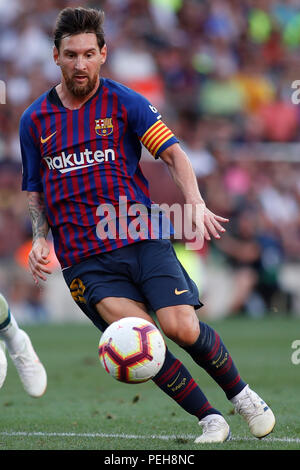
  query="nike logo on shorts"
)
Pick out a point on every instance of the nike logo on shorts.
point(179, 292)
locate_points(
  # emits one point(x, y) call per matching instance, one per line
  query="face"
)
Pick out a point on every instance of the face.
point(80, 60)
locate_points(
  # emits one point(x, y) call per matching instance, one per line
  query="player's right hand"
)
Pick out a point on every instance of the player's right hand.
point(38, 260)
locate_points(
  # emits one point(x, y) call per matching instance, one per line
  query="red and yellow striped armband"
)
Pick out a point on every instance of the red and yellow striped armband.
point(156, 136)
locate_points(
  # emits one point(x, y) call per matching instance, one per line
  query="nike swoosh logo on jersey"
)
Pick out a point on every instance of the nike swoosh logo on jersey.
point(179, 292)
point(43, 141)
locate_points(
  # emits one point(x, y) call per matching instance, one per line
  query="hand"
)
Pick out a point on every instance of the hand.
point(38, 260)
point(205, 223)
point(212, 225)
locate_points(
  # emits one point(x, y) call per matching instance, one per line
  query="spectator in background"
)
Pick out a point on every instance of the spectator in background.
point(219, 70)
point(255, 256)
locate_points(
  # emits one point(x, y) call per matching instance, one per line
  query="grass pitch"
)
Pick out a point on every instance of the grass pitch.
point(85, 409)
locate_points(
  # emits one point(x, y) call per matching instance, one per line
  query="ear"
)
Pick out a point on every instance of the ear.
point(103, 54)
point(56, 55)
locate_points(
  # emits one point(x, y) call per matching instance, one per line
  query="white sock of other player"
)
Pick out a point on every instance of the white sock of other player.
point(31, 371)
point(3, 363)
point(10, 332)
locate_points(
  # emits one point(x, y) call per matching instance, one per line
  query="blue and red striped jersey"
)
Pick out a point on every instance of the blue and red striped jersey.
point(87, 164)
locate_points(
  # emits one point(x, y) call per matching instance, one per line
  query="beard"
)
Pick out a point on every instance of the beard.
point(80, 91)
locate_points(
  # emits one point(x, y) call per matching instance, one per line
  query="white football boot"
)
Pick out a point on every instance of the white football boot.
point(3, 363)
point(31, 371)
point(255, 411)
point(215, 429)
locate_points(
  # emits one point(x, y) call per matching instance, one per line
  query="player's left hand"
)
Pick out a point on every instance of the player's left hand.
point(206, 224)
point(212, 225)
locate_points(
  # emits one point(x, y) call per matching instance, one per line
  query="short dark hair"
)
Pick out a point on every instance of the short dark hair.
point(78, 20)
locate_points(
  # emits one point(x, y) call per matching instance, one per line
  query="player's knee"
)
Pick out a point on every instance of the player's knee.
point(184, 332)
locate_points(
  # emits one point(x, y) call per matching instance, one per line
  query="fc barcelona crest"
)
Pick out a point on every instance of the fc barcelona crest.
point(104, 126)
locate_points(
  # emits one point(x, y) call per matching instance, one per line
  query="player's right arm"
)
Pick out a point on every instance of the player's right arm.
point(40, 250)
point(31, 158)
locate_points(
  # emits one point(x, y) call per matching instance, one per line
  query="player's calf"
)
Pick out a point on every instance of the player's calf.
point(211, 354)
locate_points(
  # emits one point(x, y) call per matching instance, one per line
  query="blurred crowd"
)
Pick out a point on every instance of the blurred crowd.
point(221, 74)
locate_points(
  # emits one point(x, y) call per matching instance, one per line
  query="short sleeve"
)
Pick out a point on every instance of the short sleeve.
point(31, 158)
point(148, 125)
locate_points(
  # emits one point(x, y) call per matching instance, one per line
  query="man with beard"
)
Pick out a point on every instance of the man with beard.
point(81, 148)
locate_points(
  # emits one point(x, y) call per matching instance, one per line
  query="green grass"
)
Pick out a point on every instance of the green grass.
point(85, 409)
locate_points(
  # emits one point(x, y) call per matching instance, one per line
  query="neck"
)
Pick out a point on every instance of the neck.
point(71, 101)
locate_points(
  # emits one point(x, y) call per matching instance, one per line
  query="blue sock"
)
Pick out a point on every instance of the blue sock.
point(211, 354)
point(175, 380)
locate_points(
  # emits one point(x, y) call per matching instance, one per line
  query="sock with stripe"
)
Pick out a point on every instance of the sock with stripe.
point(9, 330)
point(175, 380)
point(210, 353)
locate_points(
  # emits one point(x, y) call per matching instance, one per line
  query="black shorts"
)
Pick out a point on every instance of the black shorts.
point(146, 271)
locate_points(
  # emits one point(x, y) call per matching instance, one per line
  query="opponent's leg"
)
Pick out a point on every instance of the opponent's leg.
point(208, 350)
point(173, 378)
point(3, 363)
point(31, 371)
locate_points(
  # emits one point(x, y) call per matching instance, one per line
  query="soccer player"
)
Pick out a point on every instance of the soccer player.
point(31, 371)
point(81, 146)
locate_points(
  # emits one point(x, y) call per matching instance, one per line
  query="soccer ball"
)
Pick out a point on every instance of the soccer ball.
point(132, 350)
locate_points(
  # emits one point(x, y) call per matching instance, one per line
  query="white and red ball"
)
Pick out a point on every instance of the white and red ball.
point(132, 350)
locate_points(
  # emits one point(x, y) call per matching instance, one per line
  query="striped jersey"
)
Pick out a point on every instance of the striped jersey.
point(87, 164)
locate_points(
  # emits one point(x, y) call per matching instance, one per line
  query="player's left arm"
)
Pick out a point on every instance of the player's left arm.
point(204, 221)
point(160, 141)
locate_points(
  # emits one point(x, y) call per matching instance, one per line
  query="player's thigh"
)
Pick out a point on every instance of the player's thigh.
point(103, 290)
point(180, 323)
point(162, 280)
point(114, 308)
